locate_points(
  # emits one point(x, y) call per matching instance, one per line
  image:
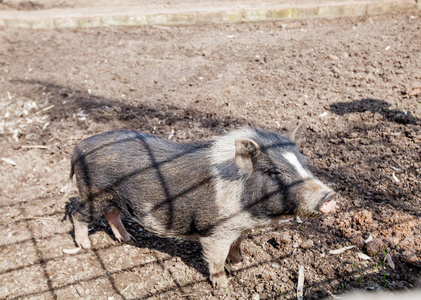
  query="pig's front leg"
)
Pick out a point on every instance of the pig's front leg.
point(81, 233)
point(216, 252)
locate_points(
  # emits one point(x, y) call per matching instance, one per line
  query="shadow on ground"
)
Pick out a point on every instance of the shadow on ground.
point(69, 102)
point(374, 106)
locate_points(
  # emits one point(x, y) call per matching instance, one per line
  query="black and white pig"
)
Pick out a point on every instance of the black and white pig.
point(213, 191)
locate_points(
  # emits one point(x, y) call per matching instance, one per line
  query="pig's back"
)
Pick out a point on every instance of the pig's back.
point(166, 186)
point(130, 149)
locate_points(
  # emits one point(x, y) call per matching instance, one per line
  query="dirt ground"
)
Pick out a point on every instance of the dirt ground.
point(353, 82)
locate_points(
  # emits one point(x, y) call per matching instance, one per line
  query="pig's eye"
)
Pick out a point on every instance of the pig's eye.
point(273, 173)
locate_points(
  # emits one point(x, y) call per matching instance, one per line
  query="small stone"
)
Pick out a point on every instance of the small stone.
point(370, 77)
point(357, 240)
point(348, 269)
point(390, 261)
point(307, 244)
point(333, 57)
point(409, 257)
point(392, 241)
point(336, 70)
point(285, 237)
point(374, 247)
point(407, 243)
point(369, 239)
point(275, 265)
point(415, 90)
point(297, 238)
point(326, 269)
point(334, 283)
point(314, 128)
point(255, 296)
point(260, 288)
point(363, 256)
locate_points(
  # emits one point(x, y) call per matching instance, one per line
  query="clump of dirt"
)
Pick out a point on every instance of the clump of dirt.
point(363, 218)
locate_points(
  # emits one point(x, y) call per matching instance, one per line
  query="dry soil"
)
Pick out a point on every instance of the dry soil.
point(352, 82)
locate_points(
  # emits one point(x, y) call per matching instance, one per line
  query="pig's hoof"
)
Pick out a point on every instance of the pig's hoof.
point(127, 239)
point(85, 244)
point(220, 281)
point(130, 242)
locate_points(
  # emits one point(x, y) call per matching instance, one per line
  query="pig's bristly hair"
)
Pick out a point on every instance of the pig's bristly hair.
point(223, 147)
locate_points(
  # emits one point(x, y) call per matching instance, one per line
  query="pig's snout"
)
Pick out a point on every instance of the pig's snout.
point(328, 202)
point(315, 199)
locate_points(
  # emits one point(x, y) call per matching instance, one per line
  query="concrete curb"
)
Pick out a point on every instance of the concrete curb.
point(195, 14)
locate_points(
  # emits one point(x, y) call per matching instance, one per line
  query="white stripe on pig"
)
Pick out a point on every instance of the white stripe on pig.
point(293, 160)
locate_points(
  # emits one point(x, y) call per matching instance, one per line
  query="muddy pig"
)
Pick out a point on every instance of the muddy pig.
point(213, 191)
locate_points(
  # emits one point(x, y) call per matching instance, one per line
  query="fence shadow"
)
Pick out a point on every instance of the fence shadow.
point(70, 105)
point(102, 110)
point(360, 136)
point(186, 250)
point(374, 106)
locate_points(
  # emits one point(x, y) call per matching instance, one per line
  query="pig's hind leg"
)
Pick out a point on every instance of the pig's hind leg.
point(113, 217)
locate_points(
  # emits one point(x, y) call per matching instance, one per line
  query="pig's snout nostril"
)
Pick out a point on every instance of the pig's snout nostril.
point(330, 196)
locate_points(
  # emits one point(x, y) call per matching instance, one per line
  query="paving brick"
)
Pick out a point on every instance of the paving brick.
point(43, 24)
point(280, 13)
point(220, 17)
point(66, 22)
point(304, 12)
point(405, 5)
point(86, 22)
point(125, 21)
point(18, 23)
point(354, 10)
point(232, 16)
point(256, 15)
point(329, 11)
point(172, 19)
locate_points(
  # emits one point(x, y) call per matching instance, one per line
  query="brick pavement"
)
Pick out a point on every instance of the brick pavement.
point(186, 12)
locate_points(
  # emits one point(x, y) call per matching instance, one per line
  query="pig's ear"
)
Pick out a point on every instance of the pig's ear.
point(245, 149)
point(297, 135)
